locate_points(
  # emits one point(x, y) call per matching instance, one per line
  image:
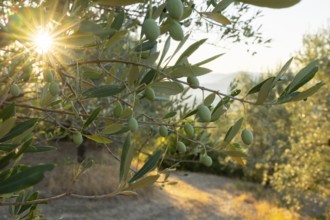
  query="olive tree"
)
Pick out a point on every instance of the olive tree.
point(294, 159)
point(88, 69)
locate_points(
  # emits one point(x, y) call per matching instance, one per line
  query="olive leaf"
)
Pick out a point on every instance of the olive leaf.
point(217, 17)
point(147, 167)
point(233, 130)
point(24, 179)
point(126, 159)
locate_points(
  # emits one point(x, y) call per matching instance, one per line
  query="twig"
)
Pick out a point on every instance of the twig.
point(98, 61)
point(37, 201)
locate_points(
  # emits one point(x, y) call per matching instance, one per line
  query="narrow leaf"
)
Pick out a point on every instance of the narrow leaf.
point(8, 111)
point(24, 179)
point(98, 139)
point(217, 112)
point(286, 98)
point(307, 93)
point(149, 77)
point(209, 99)
point(118, 21)
point(168, 88)
point(185, 71)
point(19, 199)
point(29, 149)
point(143, 182)
point(298, 96)
point(7, 125)
point(169, 115)
point(31, 197)
point(126, 159)
point(91, 118)
point(158, 11)
point(217, 17)
point(233, 130)
point(133, 75)
point(148, 45)
point(165, 50)
point(15, 153)
point(222, 5)
point(282, 71)
point(92, 75)
point(180, 45)
point(19, 129)
point(103, 91)
point(264, 91)
point(190, 113)
point(257, 88)
point(304, 75)
point(271, 3)
point(147, 167)
point(208, 60)
point(112, 128)
point(190, 50)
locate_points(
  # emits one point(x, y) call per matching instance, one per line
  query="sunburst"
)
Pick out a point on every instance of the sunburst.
point(49, 38)
point(43, 41)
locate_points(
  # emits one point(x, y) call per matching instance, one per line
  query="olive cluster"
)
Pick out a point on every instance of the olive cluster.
point(175, 11)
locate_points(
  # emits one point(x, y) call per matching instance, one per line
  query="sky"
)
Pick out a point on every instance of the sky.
point(285, 27)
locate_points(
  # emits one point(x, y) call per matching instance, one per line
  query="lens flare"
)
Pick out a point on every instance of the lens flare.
point(43, 41)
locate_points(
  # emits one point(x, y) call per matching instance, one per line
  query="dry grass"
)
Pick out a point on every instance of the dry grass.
point(99, 179)
point(197, 196)
point(262, 209)
point(264, 203)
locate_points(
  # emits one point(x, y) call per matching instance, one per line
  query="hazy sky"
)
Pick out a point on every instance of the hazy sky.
point(286, 27)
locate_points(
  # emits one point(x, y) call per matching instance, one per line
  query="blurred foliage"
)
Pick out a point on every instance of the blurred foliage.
point(291, 151)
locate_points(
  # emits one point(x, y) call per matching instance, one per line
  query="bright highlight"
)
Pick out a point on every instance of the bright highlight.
point(43, 41)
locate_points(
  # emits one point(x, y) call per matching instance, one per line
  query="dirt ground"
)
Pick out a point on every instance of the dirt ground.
point(194, 196)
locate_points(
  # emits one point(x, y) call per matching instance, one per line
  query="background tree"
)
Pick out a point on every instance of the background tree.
point(306, 170)
point(294, 159)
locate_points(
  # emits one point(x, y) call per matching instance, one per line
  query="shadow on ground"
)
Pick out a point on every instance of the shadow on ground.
point(194, 196)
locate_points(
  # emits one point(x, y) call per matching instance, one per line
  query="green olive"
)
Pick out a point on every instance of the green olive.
point(77, 138)
point(118, 110)
point(204, 113)
point(192, 81)
point(181, 147)
point(163, 131)
point(247, 136)
point(54, 88)
point(149, 93)
point(133, 124)
point(151, 29)
point(175, 9)
point(176, 31)
point(189, 129)
point(15, 90)
point(205, 160)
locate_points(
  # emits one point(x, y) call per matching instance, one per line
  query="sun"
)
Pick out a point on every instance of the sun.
point(43, 41)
